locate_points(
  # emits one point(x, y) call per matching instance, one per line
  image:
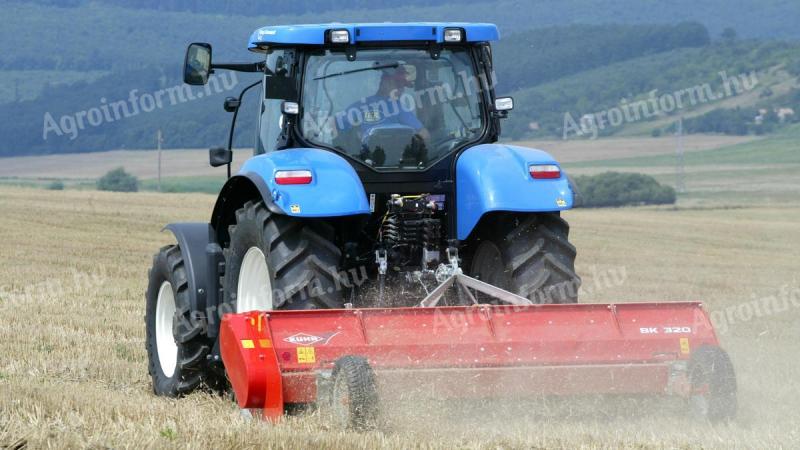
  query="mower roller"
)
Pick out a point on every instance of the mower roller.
point(381, 243)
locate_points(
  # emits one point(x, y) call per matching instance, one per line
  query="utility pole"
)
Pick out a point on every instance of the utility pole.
point(680, 185)
point(159, 140)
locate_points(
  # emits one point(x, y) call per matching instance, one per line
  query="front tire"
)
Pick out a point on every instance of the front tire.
point(279, 262)
point(528, 254)
point(176, 344)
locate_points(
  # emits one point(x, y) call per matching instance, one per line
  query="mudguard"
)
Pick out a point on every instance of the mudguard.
point(202, 257)
point(334, 191)
point(496, 177)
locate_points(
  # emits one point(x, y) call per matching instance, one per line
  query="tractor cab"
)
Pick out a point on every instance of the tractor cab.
point(387, 97)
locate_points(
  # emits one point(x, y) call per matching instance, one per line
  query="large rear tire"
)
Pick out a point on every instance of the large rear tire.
point(176, 345)
point(279, 262)
point(528, 254)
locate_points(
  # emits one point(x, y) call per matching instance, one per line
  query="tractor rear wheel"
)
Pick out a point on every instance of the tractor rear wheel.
point(528, 254)
point(176, 344)
point(279, 262)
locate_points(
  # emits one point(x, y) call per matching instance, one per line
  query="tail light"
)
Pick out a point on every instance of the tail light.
point(545, 171)
point(293, 177)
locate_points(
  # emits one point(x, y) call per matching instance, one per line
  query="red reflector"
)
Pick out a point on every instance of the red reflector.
point(545, 171)
point(293, 177)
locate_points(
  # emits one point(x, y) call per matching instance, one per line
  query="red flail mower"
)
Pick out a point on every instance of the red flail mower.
point(354, 359)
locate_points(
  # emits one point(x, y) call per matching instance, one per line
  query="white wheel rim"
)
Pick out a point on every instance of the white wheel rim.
point(165, 341)
point(254, 291)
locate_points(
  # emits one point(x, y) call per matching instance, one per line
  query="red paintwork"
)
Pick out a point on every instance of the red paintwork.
point(465, 351)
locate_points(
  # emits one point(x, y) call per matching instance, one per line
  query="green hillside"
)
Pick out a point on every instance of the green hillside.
point(555, 53)
point(606, 87)
point(558, 57)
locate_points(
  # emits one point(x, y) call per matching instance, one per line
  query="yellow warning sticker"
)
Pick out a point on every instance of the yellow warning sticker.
point(248, 343)
point(295, 209)
point(265, 343)
point(306, 355)
point(685, 346)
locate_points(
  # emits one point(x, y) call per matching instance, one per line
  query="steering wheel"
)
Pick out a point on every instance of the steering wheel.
point(446, 145)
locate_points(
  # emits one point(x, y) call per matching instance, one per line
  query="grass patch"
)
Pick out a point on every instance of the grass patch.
point(168, 433)
point(760, 172)
point(203, 184)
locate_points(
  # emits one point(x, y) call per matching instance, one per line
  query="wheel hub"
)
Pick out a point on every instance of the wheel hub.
point(254, 291)
point(166, 346)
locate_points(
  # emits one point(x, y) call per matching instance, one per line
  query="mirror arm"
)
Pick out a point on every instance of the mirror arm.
point(243, 67)
point(233, 120)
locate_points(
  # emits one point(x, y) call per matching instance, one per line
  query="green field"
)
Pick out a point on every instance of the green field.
point(718, 170)
point(205, 184)
point(765, 171)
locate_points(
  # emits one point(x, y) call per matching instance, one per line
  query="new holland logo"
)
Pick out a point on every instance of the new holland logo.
point(309, 339)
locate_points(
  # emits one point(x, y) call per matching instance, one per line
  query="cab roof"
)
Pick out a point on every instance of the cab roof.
point(369, 32)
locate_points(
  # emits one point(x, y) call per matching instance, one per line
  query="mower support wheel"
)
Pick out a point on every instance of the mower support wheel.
point(354, 399)
point(713, 384)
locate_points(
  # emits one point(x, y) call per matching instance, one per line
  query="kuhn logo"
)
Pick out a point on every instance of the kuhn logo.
point(309, 339)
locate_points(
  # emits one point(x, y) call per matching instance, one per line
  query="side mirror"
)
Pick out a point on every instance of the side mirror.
point(197, 64)
point(232, 104)
point(219, 157)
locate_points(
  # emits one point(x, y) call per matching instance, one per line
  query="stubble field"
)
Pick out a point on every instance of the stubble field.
point(73, 365)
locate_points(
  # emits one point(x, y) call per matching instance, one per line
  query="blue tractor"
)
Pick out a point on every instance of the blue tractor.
point(377, 180)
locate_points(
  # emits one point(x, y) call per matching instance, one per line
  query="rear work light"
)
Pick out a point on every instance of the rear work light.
point(453, 35)
point(545, 171)
point(340, 36)
point(293, 177)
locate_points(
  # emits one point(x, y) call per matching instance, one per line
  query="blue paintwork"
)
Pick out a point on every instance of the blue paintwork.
point(370, 32)
point(335, 190)
point(495, 177)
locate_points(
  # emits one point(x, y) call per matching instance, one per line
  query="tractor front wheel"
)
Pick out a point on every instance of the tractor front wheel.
point(176, 344)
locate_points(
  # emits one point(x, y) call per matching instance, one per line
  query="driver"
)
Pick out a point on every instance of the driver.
point(384, 107)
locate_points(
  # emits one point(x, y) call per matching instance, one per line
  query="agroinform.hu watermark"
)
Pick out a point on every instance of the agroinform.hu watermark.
point(654, 105)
